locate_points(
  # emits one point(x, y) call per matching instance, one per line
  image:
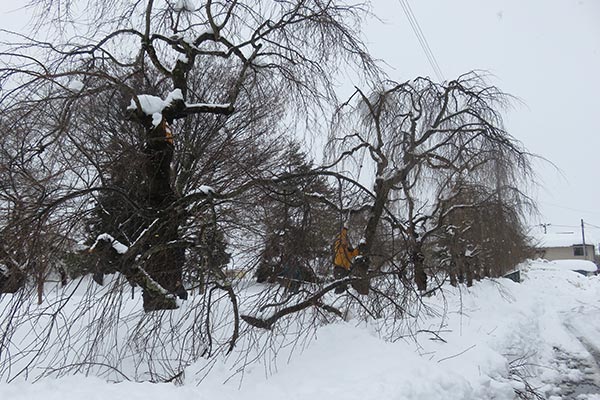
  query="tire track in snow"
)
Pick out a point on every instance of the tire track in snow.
point(589, 366)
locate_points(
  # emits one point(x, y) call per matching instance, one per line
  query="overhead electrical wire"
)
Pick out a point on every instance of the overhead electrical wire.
point(570, 209)
point(414, 23)
point(587, 224)
point(591, 225)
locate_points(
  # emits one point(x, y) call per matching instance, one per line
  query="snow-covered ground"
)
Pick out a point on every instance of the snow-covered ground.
point(475, 343)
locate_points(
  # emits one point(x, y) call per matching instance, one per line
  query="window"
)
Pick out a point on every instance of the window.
point(578, 251)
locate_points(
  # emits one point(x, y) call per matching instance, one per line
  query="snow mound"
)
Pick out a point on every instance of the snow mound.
point(569, 265)
point(469, 345)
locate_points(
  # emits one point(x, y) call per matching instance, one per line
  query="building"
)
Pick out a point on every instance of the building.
point(564, 246)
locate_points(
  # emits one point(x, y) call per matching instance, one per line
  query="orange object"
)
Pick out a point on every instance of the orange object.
point(343, 254)
point(168, 133)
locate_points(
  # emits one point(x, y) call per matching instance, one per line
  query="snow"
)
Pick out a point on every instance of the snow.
point(464, 348)
point(118, 246)
point(183, 58)
point(208, 105)
point(184, 5)
point(149, 104)
point(561, 239)
point(154, 105)
point(315, 195)
point(174, 95)
point(157, 286)
point(156, 119)
point(75, 86)
point(206, 190)
point(571, 265)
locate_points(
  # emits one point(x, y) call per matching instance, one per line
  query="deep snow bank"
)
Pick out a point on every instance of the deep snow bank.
point(468, 346)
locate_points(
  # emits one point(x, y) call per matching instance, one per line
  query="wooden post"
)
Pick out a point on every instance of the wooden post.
point(583, 240)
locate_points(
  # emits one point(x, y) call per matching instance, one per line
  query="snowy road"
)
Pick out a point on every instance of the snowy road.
point(578, 323)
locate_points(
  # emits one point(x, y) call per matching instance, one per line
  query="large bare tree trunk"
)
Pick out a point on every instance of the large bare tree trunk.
point(382, 190)
point(165, 267)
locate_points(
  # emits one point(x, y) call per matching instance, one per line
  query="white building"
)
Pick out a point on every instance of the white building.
point(564, 246)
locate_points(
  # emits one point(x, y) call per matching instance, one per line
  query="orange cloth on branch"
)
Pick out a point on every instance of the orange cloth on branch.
point(343, 252)
point(168, 132)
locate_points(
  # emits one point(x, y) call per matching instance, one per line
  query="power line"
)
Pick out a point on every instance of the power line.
point(592, 225)
point(421, 38)
point(414, 23)
point(546, 225)
point(433, 57)
point(569, 208)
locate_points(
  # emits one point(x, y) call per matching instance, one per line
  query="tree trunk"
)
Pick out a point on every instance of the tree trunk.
point(166, 266)
point(419, 266)
point(40, 287)
point(469, 272)
point(382, 189)
point(452, 274)
point(12, 280)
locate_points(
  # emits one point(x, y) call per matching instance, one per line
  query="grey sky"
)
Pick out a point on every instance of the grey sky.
point(545, 52)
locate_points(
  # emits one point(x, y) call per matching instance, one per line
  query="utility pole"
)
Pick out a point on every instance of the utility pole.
point(583, 239)
point(545, 226)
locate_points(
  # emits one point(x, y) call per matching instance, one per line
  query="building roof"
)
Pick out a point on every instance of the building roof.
point(560, 239)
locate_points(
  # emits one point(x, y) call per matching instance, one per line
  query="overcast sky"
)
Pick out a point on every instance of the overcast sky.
point(545, 52)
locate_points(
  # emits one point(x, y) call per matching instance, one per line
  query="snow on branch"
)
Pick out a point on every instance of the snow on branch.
point(174, 104)
point(153, 105)
point(184, 5)
point(115, 244)
point(214, 108)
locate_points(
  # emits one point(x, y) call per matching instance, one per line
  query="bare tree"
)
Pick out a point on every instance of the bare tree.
point(148, 135)
point(422, 137)
point(482, 235)
point(146, 61)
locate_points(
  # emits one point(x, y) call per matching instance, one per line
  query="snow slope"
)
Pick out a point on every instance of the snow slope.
point(474, 343)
